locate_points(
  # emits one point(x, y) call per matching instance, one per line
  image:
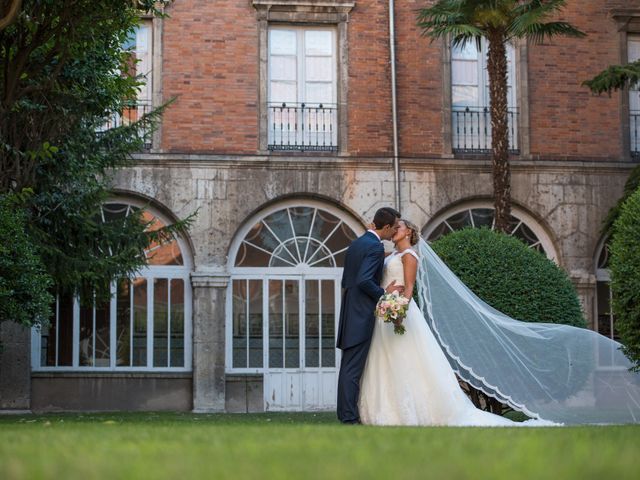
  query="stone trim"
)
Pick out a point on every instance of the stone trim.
point(302, 12)
point(210, 278)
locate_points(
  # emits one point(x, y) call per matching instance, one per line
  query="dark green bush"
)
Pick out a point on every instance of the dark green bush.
point(510, 276)
point(625, 276)
point(24, 285)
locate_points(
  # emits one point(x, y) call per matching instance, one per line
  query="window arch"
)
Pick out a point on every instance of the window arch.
point(482, 214)
point(146, 325)
point(295, 235)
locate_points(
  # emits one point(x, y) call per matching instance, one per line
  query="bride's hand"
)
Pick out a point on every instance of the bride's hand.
point(392, 287)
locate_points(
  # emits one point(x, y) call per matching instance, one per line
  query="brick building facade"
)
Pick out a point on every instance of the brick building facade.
point(281, 135)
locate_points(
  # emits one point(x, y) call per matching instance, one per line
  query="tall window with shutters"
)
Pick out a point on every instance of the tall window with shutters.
point(302, 89)
point(470, 101)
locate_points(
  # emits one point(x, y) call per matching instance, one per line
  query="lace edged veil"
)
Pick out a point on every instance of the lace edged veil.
point(549, 371)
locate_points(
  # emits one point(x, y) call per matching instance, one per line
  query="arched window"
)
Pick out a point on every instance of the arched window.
point(482, 214)
point(283, 301)
point(146, 325)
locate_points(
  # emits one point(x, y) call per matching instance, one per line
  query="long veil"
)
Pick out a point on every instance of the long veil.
point(549, 371)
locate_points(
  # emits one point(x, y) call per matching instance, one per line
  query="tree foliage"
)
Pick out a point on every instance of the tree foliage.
point(625, 276)
point(499, 21)
point(615, 77)
point(64, 73)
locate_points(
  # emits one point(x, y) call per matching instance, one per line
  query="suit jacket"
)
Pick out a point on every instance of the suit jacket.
point(363, 266)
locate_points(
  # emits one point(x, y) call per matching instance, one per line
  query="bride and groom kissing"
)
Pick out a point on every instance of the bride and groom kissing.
point(546, 370)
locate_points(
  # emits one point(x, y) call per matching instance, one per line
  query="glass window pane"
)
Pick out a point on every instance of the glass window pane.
point(177, 322)
point(459, 220)
point(301, 218)
point(312, 323)
point(255, 323)
point(249, 256)
point(318, 42)
point(65, 331)
point(86, 333)
point(103, 335)
point(292, 324)
point(123, 321)
point(283, 68)
point(464, 73)
point(282, 42)
point(160, 321)
point(139, 322)
point(468, 52)
point(276, 342)
point(604, 309)
point(482, 217)
point(318, 93)
point(319, 69)
point(328, 323)
point(239, 313)
point(464, 96)
point(283, 92)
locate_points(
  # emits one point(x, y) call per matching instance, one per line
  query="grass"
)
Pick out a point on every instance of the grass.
point(306, 445)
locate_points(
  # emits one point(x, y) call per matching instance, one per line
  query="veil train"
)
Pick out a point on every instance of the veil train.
point(549, 371)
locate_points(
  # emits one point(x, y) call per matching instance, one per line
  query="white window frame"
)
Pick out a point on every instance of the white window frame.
point(633, 54)
point(150, 273)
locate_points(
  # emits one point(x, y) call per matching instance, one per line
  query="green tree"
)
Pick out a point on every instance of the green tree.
point(64, 73)
point(498, 21)
point(24, 283)
point(625, 276)
point(618, 77)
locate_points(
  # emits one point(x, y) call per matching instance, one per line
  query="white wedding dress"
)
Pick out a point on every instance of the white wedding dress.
point(407, 379)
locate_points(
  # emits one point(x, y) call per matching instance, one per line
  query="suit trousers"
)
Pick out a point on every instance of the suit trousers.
point(351, 369)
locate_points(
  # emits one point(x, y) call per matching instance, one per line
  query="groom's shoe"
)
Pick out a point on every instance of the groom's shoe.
point(352, 422)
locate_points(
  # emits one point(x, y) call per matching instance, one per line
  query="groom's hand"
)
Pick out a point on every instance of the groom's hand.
point(392, 287)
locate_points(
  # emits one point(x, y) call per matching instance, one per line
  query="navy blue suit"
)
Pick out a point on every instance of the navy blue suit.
point(363, 266)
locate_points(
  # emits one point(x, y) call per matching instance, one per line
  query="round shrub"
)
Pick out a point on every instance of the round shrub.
point(625, 276)
point(510, 276)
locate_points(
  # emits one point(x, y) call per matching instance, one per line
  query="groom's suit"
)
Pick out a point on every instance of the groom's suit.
point(363, 267)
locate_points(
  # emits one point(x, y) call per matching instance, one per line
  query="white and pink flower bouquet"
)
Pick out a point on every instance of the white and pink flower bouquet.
point(392, 308)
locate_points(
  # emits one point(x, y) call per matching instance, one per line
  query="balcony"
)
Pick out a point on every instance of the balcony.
point(634, 127)
point(303, 127)
point(471, 130)
point(132, 112)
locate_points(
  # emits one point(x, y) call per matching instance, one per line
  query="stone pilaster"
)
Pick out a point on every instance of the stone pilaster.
point(15, 367)
point(209, 307)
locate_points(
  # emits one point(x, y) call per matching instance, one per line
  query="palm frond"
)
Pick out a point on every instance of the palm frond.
point(538, 32)
point(616, 77)
point(529, 20)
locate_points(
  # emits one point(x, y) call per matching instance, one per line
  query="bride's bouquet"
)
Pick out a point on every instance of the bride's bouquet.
point(392, 308)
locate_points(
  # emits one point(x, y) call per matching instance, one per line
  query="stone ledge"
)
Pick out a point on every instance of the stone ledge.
point(111, 375)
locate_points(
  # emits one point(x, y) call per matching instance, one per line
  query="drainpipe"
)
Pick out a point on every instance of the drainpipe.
point(394, 109)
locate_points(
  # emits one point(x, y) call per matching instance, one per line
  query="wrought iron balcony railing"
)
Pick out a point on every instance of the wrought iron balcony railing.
point(132, 112)
point(471, 129)
point(634, 127)
point(303, 126)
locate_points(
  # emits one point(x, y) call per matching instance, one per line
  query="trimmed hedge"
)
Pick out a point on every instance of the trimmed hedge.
point(510, 276)
point(24, 284)
point(625, 276)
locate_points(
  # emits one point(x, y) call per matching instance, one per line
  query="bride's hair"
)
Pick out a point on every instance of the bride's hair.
point(415, 233)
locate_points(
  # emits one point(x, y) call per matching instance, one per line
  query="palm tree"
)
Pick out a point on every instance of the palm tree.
point(499, 22)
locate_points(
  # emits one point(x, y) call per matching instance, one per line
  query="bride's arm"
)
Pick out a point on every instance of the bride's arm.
point(410, 267)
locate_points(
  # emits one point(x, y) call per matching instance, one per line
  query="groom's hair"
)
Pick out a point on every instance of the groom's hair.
point(385, 216)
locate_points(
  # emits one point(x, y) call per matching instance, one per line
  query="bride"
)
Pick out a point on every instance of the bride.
point(550, 372)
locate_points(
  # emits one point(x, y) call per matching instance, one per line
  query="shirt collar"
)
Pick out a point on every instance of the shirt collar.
point(374, 232)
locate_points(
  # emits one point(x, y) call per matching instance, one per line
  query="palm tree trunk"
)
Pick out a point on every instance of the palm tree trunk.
point(497, 68)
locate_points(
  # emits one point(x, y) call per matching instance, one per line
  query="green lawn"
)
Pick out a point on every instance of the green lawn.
point(181, 446)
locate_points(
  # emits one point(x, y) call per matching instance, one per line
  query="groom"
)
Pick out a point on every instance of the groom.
point(361, 290)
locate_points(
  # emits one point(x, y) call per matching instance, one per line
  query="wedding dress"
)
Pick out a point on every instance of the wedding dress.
point(407, 379)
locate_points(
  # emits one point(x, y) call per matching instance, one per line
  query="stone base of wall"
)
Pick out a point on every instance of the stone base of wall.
point(51, 392)
point(244, 394)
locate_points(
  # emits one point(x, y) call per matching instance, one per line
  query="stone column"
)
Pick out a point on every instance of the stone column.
point(585, 283)
point(209, 311)
point(15, 366)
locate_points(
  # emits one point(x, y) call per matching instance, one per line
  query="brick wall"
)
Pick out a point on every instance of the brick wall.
point(210, 63)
